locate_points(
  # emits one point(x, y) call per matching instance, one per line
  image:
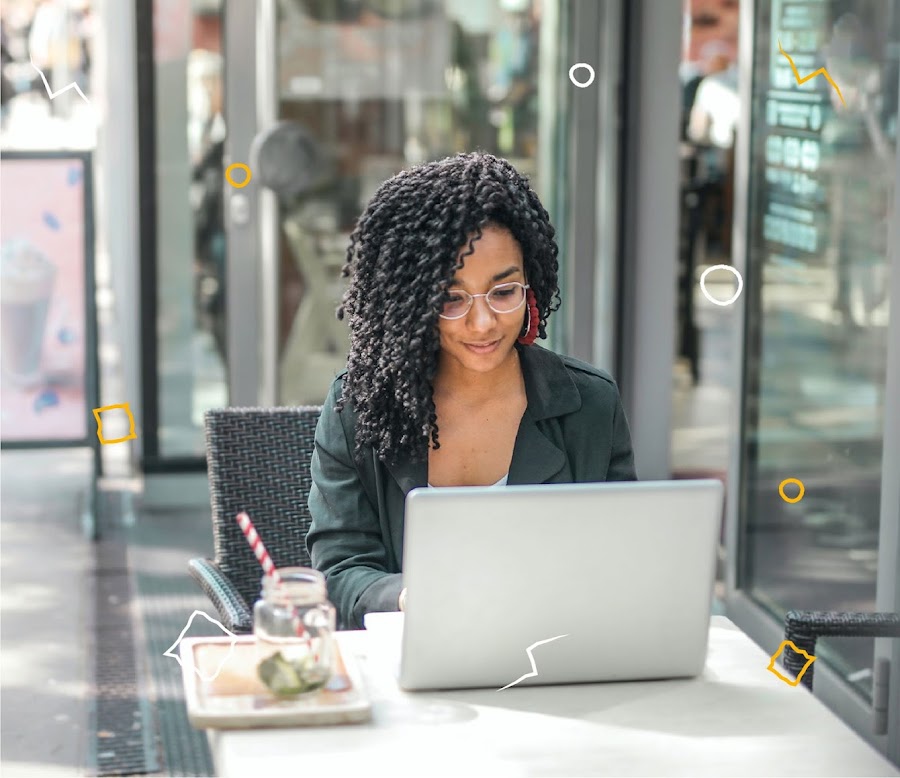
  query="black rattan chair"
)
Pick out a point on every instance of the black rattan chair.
point(258, 462)
point(804, 628)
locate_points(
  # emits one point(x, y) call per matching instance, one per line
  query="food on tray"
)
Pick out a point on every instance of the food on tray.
point(288, 678)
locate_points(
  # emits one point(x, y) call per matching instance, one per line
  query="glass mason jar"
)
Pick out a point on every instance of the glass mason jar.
point(294, 625)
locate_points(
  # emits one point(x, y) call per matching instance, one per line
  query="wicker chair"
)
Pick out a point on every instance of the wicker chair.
point(258, 462)
point(804, 628)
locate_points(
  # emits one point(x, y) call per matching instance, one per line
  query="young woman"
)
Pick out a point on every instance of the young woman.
point(454, 273)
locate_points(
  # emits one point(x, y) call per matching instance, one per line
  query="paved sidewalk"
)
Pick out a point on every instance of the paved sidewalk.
point(46, 614)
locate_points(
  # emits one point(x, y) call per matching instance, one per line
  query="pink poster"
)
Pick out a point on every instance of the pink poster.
point(44, 330)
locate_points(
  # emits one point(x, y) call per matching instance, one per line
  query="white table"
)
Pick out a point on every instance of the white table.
point(736, 719)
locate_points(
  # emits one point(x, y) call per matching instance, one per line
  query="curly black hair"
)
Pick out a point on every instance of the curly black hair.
point(402, 256)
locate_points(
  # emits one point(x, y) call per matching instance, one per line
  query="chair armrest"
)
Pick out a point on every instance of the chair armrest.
point(232, 608)
point(804, 628)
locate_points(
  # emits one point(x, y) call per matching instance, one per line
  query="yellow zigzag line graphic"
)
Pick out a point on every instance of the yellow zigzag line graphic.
point(811, 75)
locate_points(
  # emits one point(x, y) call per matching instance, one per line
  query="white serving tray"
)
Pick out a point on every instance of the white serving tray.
point(230, 696)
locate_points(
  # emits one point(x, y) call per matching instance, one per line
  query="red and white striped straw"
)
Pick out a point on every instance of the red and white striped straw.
point(264, 559)
point(259, 549)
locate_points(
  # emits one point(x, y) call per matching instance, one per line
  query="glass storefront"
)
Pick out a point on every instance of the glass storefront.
point(190, 257)
point(822, 183)
point(375, 87)
point(367, 89)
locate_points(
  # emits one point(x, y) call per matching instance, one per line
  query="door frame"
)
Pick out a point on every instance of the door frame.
point(251, 258)
point(888, 592)
point(649, 229)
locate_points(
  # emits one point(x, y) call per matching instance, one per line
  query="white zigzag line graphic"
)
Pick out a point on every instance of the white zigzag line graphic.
point(534, 671)
point(170, 649)
point(66, 88)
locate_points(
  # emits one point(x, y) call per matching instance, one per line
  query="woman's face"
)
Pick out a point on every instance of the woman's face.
point(497, 259)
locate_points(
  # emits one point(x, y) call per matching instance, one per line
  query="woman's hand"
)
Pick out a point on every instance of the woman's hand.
point(402, 601)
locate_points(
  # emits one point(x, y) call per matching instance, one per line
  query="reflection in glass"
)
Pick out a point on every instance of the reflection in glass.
point(190, 133)
point(381, 86)
point(704, 402)
point(822, 188)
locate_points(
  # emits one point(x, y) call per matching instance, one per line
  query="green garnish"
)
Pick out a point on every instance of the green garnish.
point(288, 679)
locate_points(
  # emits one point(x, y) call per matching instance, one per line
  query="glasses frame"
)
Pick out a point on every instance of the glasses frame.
point(525, 288)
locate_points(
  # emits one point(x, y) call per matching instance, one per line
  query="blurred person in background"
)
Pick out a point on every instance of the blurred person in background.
point(859, 148)
point(19, 75)
point(711, 128)
point(58, 46)
point(48, 47)
point(59, 41)
point(206, 143)
point(715, 108)
point(715, 58)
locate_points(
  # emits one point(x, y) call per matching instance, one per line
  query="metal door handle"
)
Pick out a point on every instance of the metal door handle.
point(239, 208)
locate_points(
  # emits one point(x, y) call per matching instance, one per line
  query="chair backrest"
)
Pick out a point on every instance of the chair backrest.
point(259, 462)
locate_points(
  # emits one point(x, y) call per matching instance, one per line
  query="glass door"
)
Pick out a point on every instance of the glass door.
point(347, 95)
point(183, 278)
point(815, 439)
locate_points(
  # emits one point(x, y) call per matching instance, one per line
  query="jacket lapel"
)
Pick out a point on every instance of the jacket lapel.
point(409, 475)
point(535, 459)
point(551, 392)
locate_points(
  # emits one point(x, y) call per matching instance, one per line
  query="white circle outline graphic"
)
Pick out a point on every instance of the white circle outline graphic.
point(580, 83)
point(708, 296)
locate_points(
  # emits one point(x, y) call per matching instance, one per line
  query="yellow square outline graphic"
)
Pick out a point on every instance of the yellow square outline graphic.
point(125, 407)
point(788, 681)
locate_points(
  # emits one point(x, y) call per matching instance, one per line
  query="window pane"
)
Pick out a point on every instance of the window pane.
point(822, 187)
point(190, 133)
point(379, 87)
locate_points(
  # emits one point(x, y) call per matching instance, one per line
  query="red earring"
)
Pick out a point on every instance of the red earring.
point(531, 329)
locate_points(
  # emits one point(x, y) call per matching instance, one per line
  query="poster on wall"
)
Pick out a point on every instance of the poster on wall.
point(47, 316)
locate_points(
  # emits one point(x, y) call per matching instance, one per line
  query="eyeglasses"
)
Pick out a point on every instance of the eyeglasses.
point(504, 298)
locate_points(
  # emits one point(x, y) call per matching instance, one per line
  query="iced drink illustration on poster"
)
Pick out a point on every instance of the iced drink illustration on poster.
point(26, 285)
point(42, 301)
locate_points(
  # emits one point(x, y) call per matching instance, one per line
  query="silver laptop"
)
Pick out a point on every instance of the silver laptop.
point(600, 582)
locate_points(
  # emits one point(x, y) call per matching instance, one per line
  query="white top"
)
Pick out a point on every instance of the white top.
point(716, 111)
point(735, 719)
point(501, 482)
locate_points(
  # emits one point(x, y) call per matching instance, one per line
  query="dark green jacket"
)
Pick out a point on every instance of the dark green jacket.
point(573, 430)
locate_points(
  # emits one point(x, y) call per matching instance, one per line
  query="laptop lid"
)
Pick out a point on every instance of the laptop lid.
point(607, 581)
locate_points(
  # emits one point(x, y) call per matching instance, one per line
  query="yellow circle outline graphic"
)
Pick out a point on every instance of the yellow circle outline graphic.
point(791, 481)
point(231, 181)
